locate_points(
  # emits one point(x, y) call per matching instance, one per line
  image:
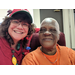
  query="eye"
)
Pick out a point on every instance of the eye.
point(15, 22)
point(25, 24)
point(52, 30)
point(42, 30)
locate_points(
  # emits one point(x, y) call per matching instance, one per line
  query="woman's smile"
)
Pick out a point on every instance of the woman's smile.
point(18, 32)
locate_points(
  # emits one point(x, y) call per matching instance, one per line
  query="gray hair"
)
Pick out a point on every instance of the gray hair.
point(51, 20)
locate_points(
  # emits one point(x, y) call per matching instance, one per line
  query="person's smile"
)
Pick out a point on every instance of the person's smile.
point(18, 32)
point(47, 39)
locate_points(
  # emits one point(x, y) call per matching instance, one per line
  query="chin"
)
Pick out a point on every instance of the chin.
point(17, 39)
point(49, 45)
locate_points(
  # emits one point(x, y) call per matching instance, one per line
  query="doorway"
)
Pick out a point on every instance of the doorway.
point(54, 13)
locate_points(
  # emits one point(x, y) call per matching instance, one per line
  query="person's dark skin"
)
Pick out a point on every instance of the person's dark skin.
point(49, 35)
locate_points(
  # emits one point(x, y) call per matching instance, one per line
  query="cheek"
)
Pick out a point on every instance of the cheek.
point(26, 30)
point(10, 29)
point(56, 37)
point(40, 38)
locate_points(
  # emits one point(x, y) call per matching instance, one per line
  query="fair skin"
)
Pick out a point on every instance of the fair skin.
point(49, 35)
point(17, 30)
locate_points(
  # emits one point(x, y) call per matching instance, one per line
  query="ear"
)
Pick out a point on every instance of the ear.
point(58, 36)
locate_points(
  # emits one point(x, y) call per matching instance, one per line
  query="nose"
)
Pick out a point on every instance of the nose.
point(47, 33)
point(20, 26)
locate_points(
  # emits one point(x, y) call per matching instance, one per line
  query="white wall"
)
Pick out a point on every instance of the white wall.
point(72, 26)
point(3, 13)
point(69, 28)
point(66, 27)
point(31, 12)
point(36, 15)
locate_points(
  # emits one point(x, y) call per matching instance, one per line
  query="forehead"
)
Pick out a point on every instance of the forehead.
point(49, 23)
point(19, 20)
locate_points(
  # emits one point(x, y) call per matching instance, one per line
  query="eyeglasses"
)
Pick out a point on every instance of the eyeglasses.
point(17, 23)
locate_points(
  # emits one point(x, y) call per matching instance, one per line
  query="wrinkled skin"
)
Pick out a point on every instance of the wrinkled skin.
point(49, 35)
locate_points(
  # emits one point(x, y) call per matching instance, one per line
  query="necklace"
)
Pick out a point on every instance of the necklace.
point(48, 59)
point(14, 60)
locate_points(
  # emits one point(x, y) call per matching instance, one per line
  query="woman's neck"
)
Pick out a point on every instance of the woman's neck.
point(14, 46)
point(50, 51)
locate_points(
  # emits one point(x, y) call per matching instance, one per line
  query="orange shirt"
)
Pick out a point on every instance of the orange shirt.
point(64, 56)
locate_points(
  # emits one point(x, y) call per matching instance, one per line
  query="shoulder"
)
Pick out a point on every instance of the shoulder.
point(67, 54)
point(33, 53)
point(1, 40)
point(66, 50)
point(28, 59)
point(64, 47)
point(31, 58)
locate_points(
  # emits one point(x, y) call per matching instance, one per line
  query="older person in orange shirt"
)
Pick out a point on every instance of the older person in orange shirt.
point(50, 53)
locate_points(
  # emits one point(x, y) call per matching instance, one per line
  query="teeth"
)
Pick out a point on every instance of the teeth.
point(47, 39)
point(18, 32)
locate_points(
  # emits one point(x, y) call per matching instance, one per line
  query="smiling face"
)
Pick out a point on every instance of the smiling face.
point(49, 33)
point(18, 30)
